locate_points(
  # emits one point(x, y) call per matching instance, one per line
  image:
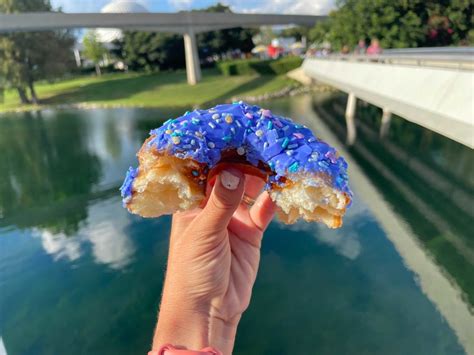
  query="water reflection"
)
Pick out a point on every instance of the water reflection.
point(39, 164)
point(111, 245)
point(53, 166)
point(72, 258)
point(59, 245)
point(102, 231)
point(412, 214)
point(345, 242)
point(57, 160)
point(428, 180)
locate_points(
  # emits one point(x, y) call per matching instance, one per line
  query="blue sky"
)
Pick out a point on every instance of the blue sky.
point(304, 7)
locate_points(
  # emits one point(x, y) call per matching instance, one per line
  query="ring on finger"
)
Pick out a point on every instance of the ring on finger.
point(247, 200)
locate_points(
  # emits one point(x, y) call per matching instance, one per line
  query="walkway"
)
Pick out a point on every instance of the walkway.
point(434, 91)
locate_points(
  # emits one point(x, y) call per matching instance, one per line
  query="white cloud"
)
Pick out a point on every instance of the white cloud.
point(80, 6)
point(88, 5)
point(181, 4)
point(302, 7)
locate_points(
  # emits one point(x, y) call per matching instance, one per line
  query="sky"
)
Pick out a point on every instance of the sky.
point(303, 7)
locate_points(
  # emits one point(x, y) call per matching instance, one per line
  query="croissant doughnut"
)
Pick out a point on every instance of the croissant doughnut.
point(304, 176)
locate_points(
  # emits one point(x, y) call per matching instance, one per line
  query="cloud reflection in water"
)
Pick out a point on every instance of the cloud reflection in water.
point(59, 245)
point(104, 231)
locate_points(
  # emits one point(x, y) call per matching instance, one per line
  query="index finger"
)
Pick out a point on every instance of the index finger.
point(262, 212)
point(253, 186)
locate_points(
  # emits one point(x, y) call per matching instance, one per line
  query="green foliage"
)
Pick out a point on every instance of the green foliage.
point(320, 33)
point(398, 23)
point(217, 42)
point(46, 172)
point(262, 67)
point(284, 65)
point(148, 51)
point(450, 22)
point(93, 49)
point(12, 6)
point(12, 69)
point(26, 57)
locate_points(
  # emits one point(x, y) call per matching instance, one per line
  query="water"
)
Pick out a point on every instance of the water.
point(78, 274)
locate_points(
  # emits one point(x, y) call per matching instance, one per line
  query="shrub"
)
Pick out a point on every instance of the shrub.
point(256, 66)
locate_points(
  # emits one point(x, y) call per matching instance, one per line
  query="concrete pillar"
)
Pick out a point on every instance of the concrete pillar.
point(385, 125)
point(77, 57)
point(193, 69)
point(350, 119)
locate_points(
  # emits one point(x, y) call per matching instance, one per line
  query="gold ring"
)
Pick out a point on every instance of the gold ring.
point(247, 200)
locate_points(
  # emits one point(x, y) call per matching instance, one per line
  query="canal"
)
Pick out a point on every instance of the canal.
point(78, 274)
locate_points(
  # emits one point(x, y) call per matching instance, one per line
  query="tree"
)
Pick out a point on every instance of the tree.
point(94, 50)
point(221, 41)
point(28, 57)
point(149, 51)
point(320, 33)
point(397, 23)
point(449, 22)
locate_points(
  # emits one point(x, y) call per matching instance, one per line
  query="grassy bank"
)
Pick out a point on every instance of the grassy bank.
point(149, 90)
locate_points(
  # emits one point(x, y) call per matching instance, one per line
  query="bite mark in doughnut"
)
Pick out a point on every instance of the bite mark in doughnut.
point(304, 176)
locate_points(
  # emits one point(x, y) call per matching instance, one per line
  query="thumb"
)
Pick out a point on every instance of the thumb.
point(223, 201)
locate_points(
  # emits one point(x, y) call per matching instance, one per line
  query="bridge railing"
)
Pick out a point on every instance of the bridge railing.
point(445, 57)
point(439, 99)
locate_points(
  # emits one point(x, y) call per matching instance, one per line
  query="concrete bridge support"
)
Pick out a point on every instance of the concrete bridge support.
point(350, 119)
point(193, 69)
point(385, 126)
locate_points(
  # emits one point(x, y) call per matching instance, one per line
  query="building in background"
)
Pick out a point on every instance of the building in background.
point(107, 36)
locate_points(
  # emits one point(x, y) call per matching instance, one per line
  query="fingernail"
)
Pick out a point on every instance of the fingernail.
point(229, 180)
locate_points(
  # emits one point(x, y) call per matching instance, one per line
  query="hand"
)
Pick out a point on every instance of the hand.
point(212, 265)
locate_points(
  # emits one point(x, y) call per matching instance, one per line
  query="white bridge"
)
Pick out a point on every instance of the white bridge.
point(432, 87)
point(184, 22)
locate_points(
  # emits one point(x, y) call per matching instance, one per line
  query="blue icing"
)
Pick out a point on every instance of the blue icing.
point(286, 147)
point(126, 188)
